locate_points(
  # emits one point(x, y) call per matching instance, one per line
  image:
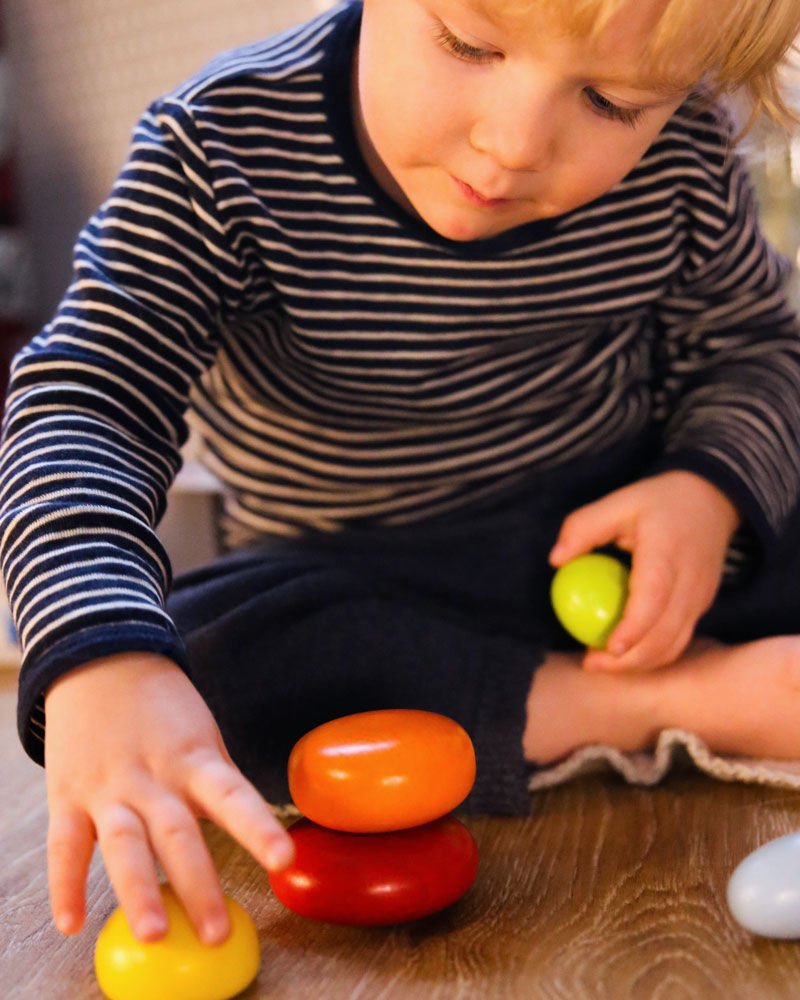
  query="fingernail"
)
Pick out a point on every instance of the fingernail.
point(65, 923)
point(215, 931)
point(151, 927)
point(280, 854)
point(617, 647)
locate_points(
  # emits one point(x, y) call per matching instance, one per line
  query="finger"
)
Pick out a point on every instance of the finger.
point(650, 593)
point(131, 869)
point(70, 845)
point(187, 863)
point(654, 614)
point(229, 799)
point(588, 528)
point(669, 640)
point(661, 652)
point(671, 631)
point(679, 645)
point(661, 646)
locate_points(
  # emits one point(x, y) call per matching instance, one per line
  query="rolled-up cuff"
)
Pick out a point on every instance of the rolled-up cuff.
point(72, 652)
point(501, 784)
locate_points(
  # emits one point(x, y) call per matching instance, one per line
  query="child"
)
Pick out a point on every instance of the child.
point(429, 276)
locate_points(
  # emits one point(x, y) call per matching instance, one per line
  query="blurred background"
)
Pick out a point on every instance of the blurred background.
point(75, 76)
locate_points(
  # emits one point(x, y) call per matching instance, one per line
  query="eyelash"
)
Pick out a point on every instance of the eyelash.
point(460, 49)
point(469, 53)
point(628, 116)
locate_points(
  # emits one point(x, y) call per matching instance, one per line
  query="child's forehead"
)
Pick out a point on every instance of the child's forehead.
point(620, 31)
point(680, 42)
point(590, 18)
point(576, 14)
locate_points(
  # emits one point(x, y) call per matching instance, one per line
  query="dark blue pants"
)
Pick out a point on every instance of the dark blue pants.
point(451, 616)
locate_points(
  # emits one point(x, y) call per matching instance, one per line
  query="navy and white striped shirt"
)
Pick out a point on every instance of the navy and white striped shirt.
point(346, 365)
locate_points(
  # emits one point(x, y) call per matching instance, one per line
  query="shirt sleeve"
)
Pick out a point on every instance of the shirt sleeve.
point(729, 394)
point(94, 415)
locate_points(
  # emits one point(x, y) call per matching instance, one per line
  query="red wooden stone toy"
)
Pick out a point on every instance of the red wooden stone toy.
point(377, 879)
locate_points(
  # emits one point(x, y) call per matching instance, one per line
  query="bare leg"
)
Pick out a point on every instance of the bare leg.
point(739, 699)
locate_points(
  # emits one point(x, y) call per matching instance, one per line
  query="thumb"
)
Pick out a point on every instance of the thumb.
point(587, 528)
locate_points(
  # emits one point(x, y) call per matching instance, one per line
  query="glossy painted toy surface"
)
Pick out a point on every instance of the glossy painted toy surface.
point(383, 770)
point(764, 890)
point(377, 879)
point(180, 966)
point(589, 595)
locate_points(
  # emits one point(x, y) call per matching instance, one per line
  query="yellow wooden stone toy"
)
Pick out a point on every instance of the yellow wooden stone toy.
point(179, 966)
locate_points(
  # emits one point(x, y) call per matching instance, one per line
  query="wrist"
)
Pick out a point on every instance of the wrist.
point(707, 495)
point(140, 662)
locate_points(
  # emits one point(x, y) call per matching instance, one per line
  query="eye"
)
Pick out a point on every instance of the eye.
point(606, 108)
point(460, 49)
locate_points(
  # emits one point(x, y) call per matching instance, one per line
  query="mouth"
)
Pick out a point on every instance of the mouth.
point(475, 198)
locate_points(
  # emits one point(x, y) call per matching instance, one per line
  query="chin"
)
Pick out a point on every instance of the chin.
point(463, 227)
point(466, 233)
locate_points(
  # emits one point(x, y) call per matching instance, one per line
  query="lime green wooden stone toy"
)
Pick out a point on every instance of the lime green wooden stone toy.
point(589, 595)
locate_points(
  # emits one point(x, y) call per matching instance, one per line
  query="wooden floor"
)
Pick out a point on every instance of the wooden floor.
point(605, 893)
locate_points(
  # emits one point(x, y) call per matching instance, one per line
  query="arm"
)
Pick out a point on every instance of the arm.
point(93, 428)
point(728, 401)
point(94, 419)
point(728, 389)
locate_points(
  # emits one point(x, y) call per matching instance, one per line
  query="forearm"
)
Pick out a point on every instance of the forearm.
point(84, 570)
point(84, 478)
point(738, 431)
point(728, 386)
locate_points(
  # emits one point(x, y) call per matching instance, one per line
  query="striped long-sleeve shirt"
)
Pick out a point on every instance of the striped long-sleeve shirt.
point(345, 364)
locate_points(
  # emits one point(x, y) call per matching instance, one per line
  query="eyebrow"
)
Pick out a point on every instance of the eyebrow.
point(669, 87)
point(665, 86)
point(482, 10)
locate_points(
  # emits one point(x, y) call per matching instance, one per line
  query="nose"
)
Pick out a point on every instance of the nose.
point(518, 130)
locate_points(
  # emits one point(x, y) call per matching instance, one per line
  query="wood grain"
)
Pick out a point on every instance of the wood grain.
point(605, 892)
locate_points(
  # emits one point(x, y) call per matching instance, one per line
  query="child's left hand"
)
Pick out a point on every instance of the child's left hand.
point(677, 527)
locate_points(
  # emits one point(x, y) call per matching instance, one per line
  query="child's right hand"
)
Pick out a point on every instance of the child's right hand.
point(133, 757)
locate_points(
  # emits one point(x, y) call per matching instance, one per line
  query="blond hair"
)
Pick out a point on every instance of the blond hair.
point(738, 45)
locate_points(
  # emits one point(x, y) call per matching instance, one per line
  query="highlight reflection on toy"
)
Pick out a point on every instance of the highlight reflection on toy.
point(377, 846)
point(588, 595)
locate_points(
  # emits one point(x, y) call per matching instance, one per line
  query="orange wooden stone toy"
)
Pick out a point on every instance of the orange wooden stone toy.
point(379, 771)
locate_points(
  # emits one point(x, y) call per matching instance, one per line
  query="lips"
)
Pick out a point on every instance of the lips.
point(476, 198)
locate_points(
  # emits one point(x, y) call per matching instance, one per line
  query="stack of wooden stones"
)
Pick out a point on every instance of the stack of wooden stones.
point(377, 843)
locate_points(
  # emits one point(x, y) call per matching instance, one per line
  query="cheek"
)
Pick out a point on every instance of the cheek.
point(589, 175)
point(411, 121)
point(600, 174)
point(411, 107)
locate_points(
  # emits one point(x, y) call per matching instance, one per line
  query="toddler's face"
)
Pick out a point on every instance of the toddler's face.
point(480, 122)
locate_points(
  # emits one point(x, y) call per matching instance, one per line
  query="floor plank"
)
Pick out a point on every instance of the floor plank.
point(605, 892)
